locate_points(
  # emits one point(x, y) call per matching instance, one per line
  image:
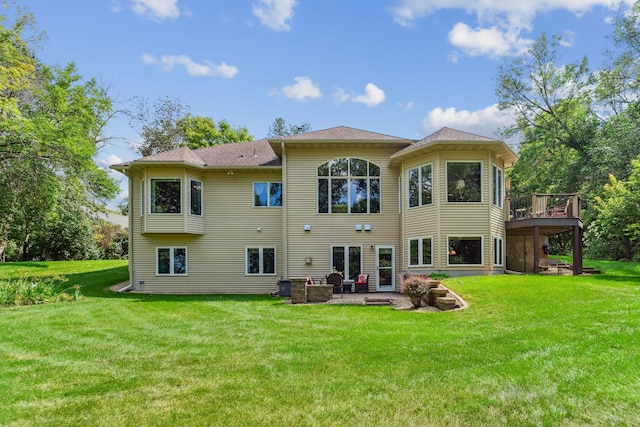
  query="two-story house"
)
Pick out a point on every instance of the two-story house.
point(235, 218)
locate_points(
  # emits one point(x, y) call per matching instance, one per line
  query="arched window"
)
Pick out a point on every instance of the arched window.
point(348, 185)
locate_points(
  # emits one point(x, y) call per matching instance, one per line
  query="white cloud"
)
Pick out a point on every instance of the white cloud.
point(500, 23)
point(156, 10)
point(275, 14)
point(483, 122)
point(194, 69)
point(372, 97)
point(485, 41)
point(406, 107)
point(304, 88)
point(111, 159)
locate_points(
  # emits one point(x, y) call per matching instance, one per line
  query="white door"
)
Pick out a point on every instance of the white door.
point(385, 269)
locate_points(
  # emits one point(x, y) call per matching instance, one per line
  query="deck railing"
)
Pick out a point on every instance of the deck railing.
point(543, 206)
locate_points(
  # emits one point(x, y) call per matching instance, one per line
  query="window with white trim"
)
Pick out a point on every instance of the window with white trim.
point(497, 186)
point(420, 186)
point(260, 261)
point(166, 195)
point(267, 194)
point(465, 250)
point(196, 197)
point(498, 251)
point(347, 260)
point(464, 182)
point(171, 261)
point(348, 185)
point(421, 252)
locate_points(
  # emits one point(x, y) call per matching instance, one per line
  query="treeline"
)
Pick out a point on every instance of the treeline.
point(580, 133)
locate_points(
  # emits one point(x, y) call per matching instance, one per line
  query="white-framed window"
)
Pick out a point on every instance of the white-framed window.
point(420, 181)
point(171, 261)
point(267, 194)
point(142, 199)
point(166, 195)
point(260, 261)
point(348, 185)
point(421, 251)
point(498, 251)
point(195, 197)
point(347, 260)
point(465, 250)
point(464, 181)
point(497, 186)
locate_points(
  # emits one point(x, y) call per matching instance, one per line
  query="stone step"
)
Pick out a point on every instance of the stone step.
point(446, 303)
point(377, 301)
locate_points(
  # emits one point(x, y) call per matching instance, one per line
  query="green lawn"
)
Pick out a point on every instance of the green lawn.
point(530, 350)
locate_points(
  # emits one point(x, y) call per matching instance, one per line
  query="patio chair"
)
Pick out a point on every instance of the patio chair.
point(335, 279)
point(362, 283)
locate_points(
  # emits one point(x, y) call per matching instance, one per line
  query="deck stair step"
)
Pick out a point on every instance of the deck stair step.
point(590, 270)
point(377, 301)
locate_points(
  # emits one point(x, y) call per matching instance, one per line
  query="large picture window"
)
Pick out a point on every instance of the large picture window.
point(171, 261)
point(497, 185)
point(267, 194)
point(196, 197)
point(465, 250)
point(348, 185)
point(464, 182)
point(261, 261)
point(347, 260)
point(165, 195)
point(420, 186)
point(420, 251)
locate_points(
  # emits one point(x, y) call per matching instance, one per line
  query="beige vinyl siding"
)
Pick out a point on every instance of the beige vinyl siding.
point(336, 229)
point(194, 223)
point(421, 221)
point(467, 219)
point(216, 259)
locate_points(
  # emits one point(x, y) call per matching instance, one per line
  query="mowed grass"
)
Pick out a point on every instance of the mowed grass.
point(530, 350)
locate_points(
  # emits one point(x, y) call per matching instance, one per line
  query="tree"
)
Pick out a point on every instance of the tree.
point(158, 124)
point(201, 132)
point(165, 124)
point(51, 126)
point(279, 128)
point(614, 232)
point(17, 64)
point(551, 100)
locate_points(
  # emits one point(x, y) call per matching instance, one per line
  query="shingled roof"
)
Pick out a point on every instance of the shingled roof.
point(255, 153)
point(456, 138)
point(341, 133)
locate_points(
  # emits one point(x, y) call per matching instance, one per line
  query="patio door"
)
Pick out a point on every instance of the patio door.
point(385, 268)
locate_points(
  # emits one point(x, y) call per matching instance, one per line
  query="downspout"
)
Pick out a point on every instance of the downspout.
point(285, 216)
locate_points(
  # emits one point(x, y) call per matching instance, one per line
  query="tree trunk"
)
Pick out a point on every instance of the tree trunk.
point(25, 246)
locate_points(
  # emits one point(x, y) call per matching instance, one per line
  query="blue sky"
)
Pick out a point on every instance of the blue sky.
point(399, 67)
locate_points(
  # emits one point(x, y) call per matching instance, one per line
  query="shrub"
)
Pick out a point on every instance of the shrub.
point(40, 290)
point(415, 287)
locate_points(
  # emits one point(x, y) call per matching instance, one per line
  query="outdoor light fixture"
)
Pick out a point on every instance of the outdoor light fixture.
point(307, 227)
point(358, 227)
point(367, 227)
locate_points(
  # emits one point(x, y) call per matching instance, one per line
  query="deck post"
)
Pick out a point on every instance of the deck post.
point(577, 250)
point(536, 253)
